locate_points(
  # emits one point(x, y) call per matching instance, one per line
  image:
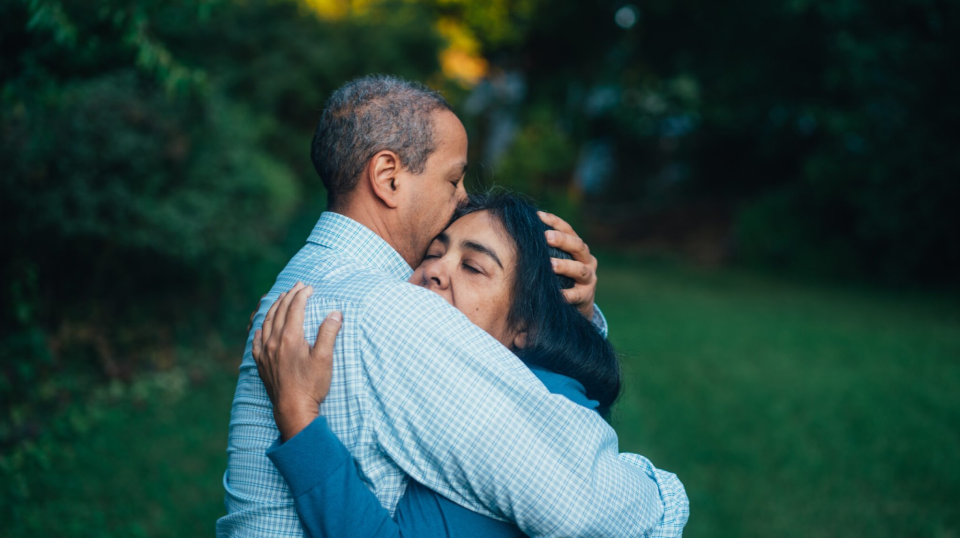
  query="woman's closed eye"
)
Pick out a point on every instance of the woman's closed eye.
point(437, 250)
point(472, 269)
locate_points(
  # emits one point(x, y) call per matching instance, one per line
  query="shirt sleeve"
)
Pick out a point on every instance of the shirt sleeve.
point(332, 501)
point(451, 406)
point(600, 321)
point(676, 505)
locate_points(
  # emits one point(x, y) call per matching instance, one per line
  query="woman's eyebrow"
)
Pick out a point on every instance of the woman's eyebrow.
point(481, 249)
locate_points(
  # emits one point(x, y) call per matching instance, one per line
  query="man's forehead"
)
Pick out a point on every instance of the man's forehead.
point(451, 142)
point(448, 126)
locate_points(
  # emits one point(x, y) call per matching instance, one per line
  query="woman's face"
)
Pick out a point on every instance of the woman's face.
point(471, 265)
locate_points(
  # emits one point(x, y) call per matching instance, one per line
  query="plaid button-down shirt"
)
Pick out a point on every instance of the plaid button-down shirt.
point(420, 391)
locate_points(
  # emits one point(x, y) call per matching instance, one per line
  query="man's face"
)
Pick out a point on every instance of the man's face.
point(439, 189)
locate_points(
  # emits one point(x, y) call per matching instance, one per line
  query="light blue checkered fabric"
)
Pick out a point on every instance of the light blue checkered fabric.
point(676, 506)
point(420, 391)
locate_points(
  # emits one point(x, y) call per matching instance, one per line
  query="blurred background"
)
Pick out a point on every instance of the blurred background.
point(772, 188)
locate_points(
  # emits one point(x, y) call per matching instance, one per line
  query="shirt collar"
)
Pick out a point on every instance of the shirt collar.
point(357, 242)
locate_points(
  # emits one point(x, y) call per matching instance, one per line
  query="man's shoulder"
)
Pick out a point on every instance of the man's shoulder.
point(398, 312)
point(335, 276)
point(347, 281)
point(378, 298)
point(385, 297)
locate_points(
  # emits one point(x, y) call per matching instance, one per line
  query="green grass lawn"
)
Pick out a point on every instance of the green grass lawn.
point(786, 409)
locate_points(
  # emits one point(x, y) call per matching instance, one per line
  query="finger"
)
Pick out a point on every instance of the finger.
point(257, 345)
point(327, 336)
point(293, 326)
point(281, 317)
point(574, 295)
point(580, 272)
point(570, 244)
point(556, 223)
point(267, 325)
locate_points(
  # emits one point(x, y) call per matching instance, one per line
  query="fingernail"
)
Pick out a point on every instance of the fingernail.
point(541, 213)
point(309, 290)
point(551, 235)
point(336, 316)
point(554, 263)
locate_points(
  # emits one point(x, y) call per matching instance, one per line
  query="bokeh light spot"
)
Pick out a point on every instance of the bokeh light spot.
point(626, 16)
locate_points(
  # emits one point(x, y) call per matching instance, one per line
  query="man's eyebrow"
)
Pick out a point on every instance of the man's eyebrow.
point(482, 249)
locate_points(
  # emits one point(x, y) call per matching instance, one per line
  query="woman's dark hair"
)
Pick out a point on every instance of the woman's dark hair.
point(559, 338)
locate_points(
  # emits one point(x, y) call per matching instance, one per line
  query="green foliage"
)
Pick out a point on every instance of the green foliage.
point(539, 157)
point(143, 459)
point(110, 161)
point(839, 114)
point(873, 183)
point(157, 175)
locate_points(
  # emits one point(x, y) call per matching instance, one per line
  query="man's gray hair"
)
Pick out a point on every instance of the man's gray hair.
point(368, 115)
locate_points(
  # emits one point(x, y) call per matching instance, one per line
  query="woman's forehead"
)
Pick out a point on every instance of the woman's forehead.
point(481, 227)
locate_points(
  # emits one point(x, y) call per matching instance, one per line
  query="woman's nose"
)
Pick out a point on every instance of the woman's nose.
point(435, 273)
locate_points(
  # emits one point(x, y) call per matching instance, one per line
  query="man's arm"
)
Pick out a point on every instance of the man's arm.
point(676, 505)
point(463, 416)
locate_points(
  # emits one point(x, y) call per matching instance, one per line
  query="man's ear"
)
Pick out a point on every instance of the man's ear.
point(381, 173)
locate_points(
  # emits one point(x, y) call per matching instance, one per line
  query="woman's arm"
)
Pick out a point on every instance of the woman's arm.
point(333, 501)
point(329, 495)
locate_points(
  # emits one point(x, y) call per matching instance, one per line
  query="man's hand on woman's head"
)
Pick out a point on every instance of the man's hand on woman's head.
point(582, 268)
point(295, 374)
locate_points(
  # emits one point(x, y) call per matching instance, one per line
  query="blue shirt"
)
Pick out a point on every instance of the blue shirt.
point(418, 391)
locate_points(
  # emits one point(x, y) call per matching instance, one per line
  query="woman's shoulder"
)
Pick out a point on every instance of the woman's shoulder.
point(565, 386)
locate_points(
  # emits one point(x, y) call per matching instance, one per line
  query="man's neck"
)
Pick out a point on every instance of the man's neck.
point(375, 222)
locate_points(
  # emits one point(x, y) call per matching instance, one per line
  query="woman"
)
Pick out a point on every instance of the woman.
point(493, 264)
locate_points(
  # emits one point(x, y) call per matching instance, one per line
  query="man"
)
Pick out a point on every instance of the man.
point(418, 391)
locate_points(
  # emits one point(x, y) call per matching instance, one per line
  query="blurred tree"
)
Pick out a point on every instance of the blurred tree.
point(152, 148)
point(157, 168)
point(828, 126)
